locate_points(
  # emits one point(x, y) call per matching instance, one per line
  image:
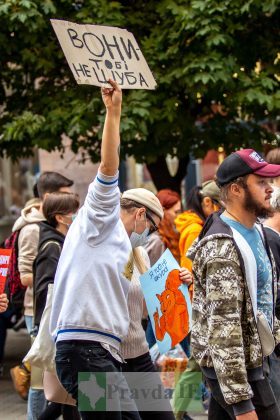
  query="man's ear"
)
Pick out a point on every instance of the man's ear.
point(235, 189)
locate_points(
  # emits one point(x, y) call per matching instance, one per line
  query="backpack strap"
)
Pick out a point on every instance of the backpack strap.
point(250, 264)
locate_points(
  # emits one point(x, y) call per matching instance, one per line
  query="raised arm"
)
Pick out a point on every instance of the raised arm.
point(112, 98)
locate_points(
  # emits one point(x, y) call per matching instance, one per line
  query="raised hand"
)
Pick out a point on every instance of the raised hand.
point(112, 96)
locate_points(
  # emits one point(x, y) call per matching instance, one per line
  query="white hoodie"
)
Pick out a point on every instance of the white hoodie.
point(93, 274)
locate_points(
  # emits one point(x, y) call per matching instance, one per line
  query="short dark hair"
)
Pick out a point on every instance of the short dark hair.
point(50, 182)
point(224, 189)
point(59, 203)
point(128, 205)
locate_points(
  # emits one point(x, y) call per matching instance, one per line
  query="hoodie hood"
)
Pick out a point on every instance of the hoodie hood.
point(214, 227)
point(49, 233)
point(187, 219)
point(30, 214)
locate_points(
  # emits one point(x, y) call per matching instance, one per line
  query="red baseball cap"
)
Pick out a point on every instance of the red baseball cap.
point(245, 162)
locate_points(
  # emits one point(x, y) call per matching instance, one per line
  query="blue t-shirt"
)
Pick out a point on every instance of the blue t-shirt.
point(264, 270)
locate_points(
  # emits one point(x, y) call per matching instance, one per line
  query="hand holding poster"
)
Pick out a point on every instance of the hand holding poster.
point(97, 53)
point(5, 255)
point(168, 302)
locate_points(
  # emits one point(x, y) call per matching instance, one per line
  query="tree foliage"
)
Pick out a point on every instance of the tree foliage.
point(217, 65)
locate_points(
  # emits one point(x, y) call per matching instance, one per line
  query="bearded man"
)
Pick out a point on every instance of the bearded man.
point(235, 283)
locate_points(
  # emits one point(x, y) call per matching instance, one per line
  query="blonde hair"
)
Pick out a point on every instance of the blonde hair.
point(139, 260)
point(135, 259)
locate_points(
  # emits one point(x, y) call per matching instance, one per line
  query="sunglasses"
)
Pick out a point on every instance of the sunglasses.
point(154, 227)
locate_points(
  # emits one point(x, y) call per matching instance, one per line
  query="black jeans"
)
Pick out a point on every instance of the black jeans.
point(144, 365)
point(74, 356)
point(7, 320)
point(264, 401)
point(55, 410)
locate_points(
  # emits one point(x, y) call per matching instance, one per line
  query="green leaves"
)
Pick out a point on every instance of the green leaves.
point(22, 126)
point(204, 56)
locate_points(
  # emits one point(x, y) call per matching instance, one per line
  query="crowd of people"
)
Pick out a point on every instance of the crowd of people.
point(228, 247)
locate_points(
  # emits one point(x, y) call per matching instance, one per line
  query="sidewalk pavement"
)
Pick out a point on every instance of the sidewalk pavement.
point(12, 407)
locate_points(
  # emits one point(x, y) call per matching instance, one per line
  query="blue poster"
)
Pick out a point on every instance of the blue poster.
point(168, 302)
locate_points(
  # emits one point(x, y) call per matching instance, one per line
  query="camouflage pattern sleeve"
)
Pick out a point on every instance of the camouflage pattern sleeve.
point(276, 331)
point(224, 300)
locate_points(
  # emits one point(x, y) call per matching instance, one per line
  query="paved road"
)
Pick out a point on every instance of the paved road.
point(12, 407)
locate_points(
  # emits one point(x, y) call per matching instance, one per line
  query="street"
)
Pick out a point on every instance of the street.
point(12, 406)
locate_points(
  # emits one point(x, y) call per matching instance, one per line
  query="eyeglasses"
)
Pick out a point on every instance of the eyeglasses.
point(154, 227)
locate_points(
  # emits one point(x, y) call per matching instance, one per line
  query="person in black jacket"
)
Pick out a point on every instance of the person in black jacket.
point(272, 230)
point(59, 210)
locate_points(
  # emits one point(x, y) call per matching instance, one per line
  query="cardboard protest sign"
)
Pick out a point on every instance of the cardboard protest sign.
point(97, 53)
point(5, 255)
point(168, 302)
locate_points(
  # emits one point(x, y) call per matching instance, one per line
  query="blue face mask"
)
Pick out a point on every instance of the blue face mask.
point(139, 239)
point(73, 217)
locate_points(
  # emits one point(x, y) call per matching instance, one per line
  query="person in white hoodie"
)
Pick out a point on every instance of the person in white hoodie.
point(28, 239)
point(90, 317)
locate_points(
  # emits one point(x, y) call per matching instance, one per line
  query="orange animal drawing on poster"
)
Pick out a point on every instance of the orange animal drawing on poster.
point(174, 320)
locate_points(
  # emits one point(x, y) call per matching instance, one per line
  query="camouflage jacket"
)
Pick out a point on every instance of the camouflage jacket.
point(224, 331)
